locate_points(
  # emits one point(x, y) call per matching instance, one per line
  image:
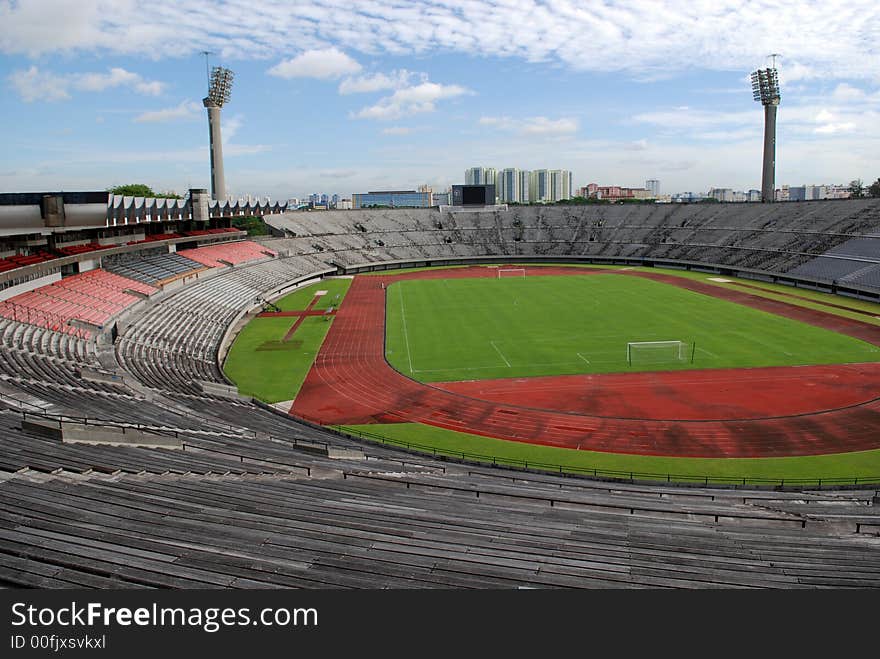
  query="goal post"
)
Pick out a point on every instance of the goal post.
point(659, 352)
point(511, 272)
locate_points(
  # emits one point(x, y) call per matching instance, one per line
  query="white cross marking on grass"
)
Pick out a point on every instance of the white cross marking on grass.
point(500, 353)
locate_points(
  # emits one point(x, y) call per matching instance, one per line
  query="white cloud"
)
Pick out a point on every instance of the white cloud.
point(375, 82)
point(812, 119)
point(834, 128)
point(324, 64)
point(233, 150)
point(533, 125)
point(186, 110)
point(844, 93)
point(98, 82)
point(410, 100)
point(397, 130)
point(34, 84)
point(231, 126)
point(337, 173)
point(685, 118)
point(818, 38)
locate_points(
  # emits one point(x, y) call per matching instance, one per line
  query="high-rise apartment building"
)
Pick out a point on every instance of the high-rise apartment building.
point(523, 186)
point(539, 186)
point(508, 185)
point(560, 184)
point(480, 176)
point(652, 185)
point(524, 176)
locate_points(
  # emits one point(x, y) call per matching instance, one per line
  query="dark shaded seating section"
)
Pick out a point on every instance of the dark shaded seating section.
point(856, 261)
point(150, 269)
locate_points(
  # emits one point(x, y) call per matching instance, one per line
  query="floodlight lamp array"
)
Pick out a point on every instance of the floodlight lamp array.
point(221, 85)
point(765, 86)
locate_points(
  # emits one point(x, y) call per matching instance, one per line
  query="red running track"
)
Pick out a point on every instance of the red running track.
point(351, 383)
point(704, 394)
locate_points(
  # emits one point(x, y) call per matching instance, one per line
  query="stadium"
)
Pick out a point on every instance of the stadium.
point(611, 396)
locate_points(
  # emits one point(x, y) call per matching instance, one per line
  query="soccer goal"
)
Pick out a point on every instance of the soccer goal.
point(511, 272)
point(658, 352)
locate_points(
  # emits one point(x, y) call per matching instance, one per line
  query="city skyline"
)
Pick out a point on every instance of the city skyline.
point(380, 97)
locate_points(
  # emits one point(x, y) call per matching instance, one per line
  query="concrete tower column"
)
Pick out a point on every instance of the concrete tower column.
point(768, 179)
point(218, 179)
point(198, 199)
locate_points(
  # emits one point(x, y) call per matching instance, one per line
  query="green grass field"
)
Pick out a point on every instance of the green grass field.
point(464, 329)
point(487, 328)
point(864, 465)
point(263, 365)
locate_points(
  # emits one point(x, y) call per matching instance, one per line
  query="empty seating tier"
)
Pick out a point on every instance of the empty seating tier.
point(72, 250)
point(227, 253)
point(151, 269)
point(19, 261)
point(769, 237)
point(252, 500)
point(94, 297)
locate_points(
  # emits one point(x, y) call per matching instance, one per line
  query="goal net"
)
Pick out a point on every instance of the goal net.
point(511, 272)
point(658, 352)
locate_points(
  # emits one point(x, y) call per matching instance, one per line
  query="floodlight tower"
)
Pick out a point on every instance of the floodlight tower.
point(218, 95)
point(765, 89)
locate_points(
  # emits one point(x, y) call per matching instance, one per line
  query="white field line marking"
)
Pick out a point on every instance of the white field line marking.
point(484, 368)
point(500, 353)
point(456, 368)
point(711, 354)
point(405, 333)
point(582, 357)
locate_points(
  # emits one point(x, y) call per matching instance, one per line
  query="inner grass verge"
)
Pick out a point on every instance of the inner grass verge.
point(263, 365)
point(860, 467)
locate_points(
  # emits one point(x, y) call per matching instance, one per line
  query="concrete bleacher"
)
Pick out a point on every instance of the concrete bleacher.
point(855, 261)
point(160, 355)
point(356, 529)
point(251, 499)
point(151, 269)
point(775, 238)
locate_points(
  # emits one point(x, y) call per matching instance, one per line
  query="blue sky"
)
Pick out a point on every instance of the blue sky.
point(333, 96)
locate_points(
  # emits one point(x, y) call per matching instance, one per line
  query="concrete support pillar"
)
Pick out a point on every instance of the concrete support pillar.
point(768, 179)
point(53, 210)
point(218, 179)
point(198, 199)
